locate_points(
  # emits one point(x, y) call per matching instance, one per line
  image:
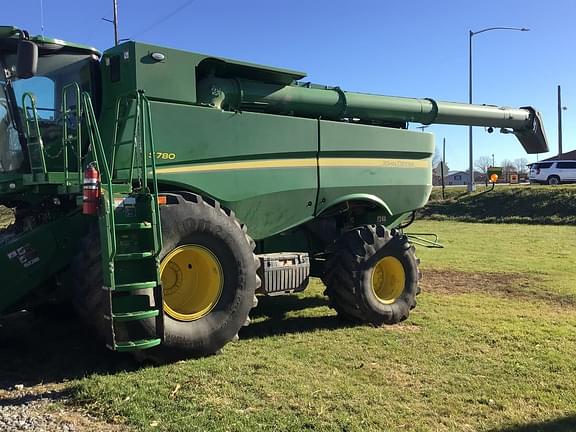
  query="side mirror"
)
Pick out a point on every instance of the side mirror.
point(27, 59)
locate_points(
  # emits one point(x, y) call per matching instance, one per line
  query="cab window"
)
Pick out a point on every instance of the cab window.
point(43, 89)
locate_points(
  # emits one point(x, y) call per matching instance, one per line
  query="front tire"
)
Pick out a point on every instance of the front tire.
point(196, 232)
point(208, 272)
point(373, 276)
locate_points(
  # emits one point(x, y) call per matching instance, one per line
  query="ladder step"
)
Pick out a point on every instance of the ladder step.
point(137, 345)
point(134, 256)
point(121, 143)
point(135, 286)
point(135, 316)
point(125, 117)
point(133, 226)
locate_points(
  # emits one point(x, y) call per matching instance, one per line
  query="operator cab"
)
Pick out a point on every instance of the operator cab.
point(46, 67)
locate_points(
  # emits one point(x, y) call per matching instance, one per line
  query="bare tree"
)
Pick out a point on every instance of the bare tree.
point(437, 167)
point(521, 165)
point(507, 167)
point(437, 158)
point(483, 163)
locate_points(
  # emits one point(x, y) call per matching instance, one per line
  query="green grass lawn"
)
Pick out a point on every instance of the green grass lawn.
point(490, 347)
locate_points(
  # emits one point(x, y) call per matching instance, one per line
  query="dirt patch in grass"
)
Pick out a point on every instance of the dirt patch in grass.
point(511, 285)
point(403, 327)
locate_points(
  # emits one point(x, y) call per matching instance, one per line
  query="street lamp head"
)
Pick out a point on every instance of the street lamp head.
point(472, 33)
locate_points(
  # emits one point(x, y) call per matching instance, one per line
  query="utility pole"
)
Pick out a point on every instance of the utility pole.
point(115, 22)
point(559, 121)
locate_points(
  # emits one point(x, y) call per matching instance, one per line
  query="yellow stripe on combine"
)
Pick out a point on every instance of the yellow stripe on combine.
point(298, 163)
point(232, 166)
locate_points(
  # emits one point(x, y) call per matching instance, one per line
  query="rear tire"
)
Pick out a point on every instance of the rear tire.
point(373, 276)
point(553, 180)
point(89, 298)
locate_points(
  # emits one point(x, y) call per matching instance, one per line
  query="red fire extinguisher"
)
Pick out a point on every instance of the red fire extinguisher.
point(91, 194)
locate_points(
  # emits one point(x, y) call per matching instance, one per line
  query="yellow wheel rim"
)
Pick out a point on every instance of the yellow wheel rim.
point(192, 282)
point(388, 279)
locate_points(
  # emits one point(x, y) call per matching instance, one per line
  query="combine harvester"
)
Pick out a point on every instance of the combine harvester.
point(161, 190)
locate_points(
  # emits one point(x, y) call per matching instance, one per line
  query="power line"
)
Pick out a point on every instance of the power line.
point(164, 19)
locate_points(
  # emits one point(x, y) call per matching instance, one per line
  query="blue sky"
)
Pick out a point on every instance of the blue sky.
point(417, 48)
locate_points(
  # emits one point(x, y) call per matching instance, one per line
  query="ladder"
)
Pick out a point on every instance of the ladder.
point(130, 232)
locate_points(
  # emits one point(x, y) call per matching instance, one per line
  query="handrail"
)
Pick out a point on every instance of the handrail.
point(27, 121)
point(66, 111)
point(115, 135)
point(146, 111)
point(140, 116)
point(96, 145)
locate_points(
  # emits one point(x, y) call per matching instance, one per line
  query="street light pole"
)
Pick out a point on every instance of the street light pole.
point(471, 185)
point(560, 109)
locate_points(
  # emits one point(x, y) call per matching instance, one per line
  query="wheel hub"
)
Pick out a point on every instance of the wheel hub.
point(192, 282)
point(388, 279)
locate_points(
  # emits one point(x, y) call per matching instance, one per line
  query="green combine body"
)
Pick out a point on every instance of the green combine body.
point(219, 180)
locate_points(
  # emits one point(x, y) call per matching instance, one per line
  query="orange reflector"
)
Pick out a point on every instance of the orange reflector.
point(494, 178)
point(161, 199)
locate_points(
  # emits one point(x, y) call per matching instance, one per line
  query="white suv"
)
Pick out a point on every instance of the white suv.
point(553, 172)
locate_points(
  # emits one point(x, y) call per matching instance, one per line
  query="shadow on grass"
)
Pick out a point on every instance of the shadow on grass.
point(54, 346)
point(40, 349)
point(276, 327)
point(563, 424)
point(276, 308)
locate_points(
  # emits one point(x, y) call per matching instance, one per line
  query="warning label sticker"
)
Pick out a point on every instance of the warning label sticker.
point(26, 255)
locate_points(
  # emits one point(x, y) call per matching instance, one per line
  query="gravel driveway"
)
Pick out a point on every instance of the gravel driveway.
point(40, 358)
